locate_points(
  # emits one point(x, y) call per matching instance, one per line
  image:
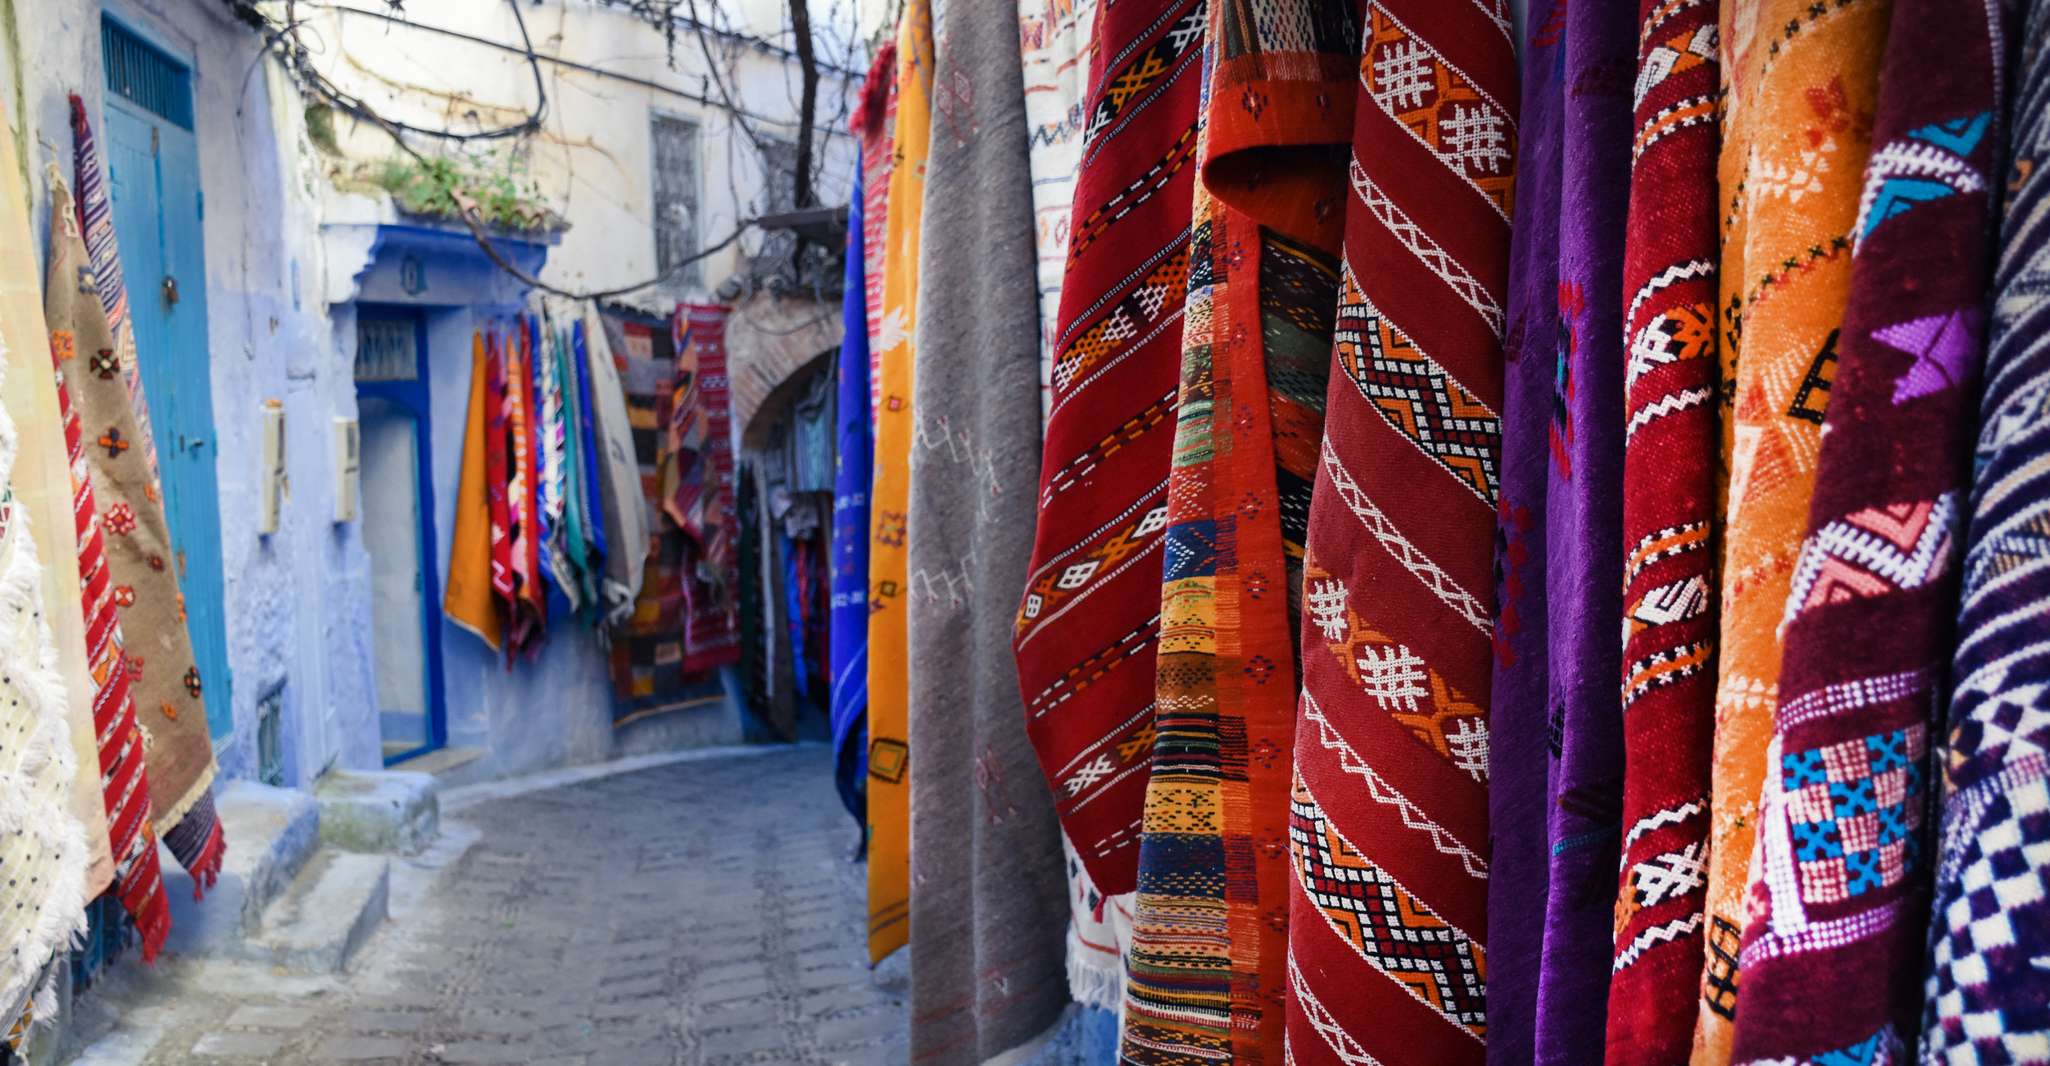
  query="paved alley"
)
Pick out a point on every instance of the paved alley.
point(699, 912)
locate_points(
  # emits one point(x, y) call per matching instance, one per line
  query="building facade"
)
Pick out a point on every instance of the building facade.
point(283, 278)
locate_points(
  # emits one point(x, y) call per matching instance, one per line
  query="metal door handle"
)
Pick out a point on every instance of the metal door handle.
point(170, 291)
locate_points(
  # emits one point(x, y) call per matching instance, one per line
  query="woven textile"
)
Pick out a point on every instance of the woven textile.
point(46, 856)
point(698, 442)
point(1670, 458)
point(497, 477)
point(53, 808)
point(1213, 854)
point(853, 451)
point(873, 125)
point(624, 514)
point(648, 677)
point(1986, 999)
point(576, 503)
point(988, 895)
point(1255, 346)
point(132, 838)
point(889, 749)
point(1388, 821)
point(528, 616)
point(1583, 536)
point(589, 501)
point(467, 601)
point(96, 220)
point(1090, 617)
point(1833, 946)
point(1056, 39)
point(164, 680)
point(1800, 84)
point(551, 438)
point(1518, 719)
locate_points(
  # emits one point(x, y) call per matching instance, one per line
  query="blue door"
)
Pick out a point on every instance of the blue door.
point(396, 474)
point(153, 181)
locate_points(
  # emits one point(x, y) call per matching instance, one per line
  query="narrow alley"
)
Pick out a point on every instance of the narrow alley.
point(699, 911)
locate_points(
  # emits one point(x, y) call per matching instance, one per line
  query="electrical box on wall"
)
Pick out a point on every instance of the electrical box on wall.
point(348, 459)
point(271, 478)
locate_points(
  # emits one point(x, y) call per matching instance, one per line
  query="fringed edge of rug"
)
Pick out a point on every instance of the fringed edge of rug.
point(1095, 979)
point(61, 921)
point(152, 914)
point(198, 844)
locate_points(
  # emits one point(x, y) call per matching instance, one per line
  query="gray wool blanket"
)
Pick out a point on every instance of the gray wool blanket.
point(988, 892)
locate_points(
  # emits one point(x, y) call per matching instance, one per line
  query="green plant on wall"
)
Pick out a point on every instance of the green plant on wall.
point(505, 197)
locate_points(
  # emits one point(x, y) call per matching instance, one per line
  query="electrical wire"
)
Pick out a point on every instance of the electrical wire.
point(282, 40)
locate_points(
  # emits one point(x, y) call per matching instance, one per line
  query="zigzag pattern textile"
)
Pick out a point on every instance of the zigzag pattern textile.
point(1671, 441)
point(1833, 949)
point(1800, 85)
point(1058, 38)
point(1088, 626)
point(1388, 824)
point(1519, 763)
point(1256, 339)
point(138, 875)
point(1583, 537)
point(1986, 994)
point(700, 500)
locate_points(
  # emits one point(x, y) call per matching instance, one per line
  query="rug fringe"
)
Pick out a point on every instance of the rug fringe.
point(206, 868)
point(1095, 979)
point(152, 924)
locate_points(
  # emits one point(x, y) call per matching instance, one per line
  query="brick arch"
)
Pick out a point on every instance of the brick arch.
point(769, 339)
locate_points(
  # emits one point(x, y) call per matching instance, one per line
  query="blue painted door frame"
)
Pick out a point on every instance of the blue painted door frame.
point(154, 183)
point(412, 396)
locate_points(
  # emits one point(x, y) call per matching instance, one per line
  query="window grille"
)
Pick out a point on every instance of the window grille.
point(675, 185)
point(142, 74)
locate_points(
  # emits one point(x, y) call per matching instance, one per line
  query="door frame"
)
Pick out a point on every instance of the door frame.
point(416, 398)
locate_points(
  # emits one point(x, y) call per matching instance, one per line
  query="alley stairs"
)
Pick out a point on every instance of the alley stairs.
point(307, 878)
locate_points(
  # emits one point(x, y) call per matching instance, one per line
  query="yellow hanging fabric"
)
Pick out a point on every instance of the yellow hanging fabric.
point(1801, 84)
point(468, 601)
point(889, 750)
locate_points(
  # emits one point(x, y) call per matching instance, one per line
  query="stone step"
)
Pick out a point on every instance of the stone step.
point(379, 811)
point(327, 914)
point(271, 833)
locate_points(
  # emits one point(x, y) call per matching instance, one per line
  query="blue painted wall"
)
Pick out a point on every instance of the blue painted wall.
point(285, 259)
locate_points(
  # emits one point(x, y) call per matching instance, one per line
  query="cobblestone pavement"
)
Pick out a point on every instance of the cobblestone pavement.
point(698, 912)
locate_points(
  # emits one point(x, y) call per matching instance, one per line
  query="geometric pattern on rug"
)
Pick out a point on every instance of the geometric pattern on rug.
point(1393, 930)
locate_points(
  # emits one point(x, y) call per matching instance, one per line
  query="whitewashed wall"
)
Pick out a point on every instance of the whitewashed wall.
point(593, 157)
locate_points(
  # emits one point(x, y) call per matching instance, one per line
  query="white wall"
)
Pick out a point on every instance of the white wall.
point(592, 159)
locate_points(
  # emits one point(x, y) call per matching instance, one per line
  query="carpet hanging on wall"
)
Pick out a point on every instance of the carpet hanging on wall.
point(648, 673)
point(169, 693)
point(132, 836)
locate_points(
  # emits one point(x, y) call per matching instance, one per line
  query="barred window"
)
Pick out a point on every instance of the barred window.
point(675, 185)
